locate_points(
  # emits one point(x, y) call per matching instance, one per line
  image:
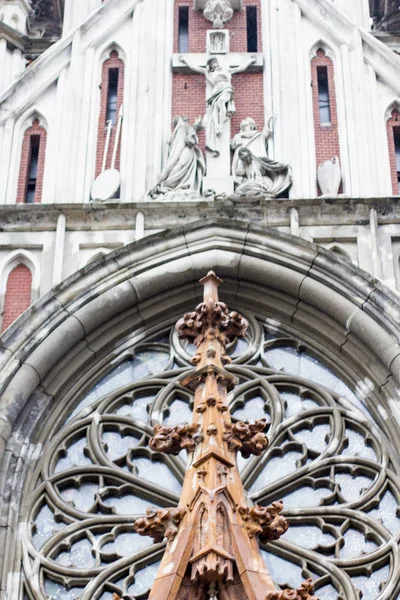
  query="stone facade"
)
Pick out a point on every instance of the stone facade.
point(98, 278)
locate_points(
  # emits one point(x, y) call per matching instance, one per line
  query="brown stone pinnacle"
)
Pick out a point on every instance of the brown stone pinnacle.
point(213, 549)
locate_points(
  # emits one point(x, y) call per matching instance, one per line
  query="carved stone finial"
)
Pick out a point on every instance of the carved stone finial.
point(216, 316)
point(160, 523)
point(246, 437)
point(171, 440)
point(265, 521)
point(218, 12)
point(305, 592)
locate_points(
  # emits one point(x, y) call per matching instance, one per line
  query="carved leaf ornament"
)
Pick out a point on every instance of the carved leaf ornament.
point(328, 459)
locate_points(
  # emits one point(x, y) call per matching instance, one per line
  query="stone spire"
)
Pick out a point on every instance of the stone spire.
point(212, 550)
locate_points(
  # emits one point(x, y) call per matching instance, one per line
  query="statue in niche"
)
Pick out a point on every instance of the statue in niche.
point(253, 172)
point(220, 103)
point(185, 166)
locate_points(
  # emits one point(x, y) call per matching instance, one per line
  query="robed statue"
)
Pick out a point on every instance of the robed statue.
point(185, 166)
point(219, 100)
point(252, 170)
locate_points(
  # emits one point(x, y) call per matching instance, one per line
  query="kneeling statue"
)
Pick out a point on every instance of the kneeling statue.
point(253, 172)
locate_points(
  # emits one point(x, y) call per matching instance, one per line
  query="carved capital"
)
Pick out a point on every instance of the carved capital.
point(305, 592)
point(171, 440)
point(218, 12)
point(265, 521)
point(246, 437)
point(160, 523)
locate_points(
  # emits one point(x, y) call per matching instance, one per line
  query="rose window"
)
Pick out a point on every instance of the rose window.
point(328, 459)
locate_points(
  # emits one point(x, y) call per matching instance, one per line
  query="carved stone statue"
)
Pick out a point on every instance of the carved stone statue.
point(252, 170)
point(218, 12)
point(185, 166)
point(305, 592)
point(220, 103)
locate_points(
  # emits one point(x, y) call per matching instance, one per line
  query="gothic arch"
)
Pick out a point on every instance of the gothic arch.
point(82, 324)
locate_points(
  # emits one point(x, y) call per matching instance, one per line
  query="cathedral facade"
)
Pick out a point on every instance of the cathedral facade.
point(143, 143)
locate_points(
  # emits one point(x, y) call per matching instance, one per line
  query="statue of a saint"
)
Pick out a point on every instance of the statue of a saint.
point(220, 104)
point(185, 166)
point(252, 170)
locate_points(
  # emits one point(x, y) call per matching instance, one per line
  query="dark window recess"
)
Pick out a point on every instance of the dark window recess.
point(323, 96)
point(183, 29)
point(396, 137)
point(251, 20)
point(112, 96)
point(33, 169)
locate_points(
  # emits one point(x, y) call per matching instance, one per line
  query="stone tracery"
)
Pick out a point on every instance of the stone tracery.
point(83, 510)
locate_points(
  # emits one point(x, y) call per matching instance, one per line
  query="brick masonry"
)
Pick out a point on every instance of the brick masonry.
point(38, 130)
point(18, 294)
point(189, 90)
point(114, 62)
point(393, 122)
point(326, 136)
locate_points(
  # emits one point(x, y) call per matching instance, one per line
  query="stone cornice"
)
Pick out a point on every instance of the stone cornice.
point(273, 213)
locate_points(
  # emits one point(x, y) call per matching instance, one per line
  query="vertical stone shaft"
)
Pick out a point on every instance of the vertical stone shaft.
point(213, 545)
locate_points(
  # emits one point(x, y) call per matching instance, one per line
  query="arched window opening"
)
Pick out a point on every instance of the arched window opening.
point(111, 100)
point(32, 164)
point(328, 459)
point(18, 294)
point(393, 132)
point(326, 125)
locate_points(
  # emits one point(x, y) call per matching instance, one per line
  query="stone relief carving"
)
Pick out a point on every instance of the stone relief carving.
point(220, 103)
point(185, 166)
point(305, 592)
point(218, 12)
point(329, 176)
point(246, 437)
point(172, 440)
point(159, 524)
point(265, 521)
point(254, 173)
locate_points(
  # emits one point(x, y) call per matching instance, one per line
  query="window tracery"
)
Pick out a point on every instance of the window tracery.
point(334, 469)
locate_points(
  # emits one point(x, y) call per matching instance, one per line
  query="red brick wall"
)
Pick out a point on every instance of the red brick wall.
point(189, 90)
point(326, 136)
point(394, 121)
point(198, 26)
point(114, 62)
point(18, 294)
point(36, 129)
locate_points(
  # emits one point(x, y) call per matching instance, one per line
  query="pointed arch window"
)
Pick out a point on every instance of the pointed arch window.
point(18, 294)
point(30, 182)
point(328, 459)
point(326, 126)
point(111, 100)
point(393, 133)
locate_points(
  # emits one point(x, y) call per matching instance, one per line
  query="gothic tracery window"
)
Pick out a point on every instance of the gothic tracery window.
point(327, 459)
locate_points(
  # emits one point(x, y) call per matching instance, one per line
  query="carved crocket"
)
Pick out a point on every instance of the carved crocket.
point(171, 440)
point(305, 592)
point(265, 521)
point(160, 523)
point(246, 437)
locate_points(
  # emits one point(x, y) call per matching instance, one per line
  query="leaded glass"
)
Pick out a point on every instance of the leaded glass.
point(327, 459)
